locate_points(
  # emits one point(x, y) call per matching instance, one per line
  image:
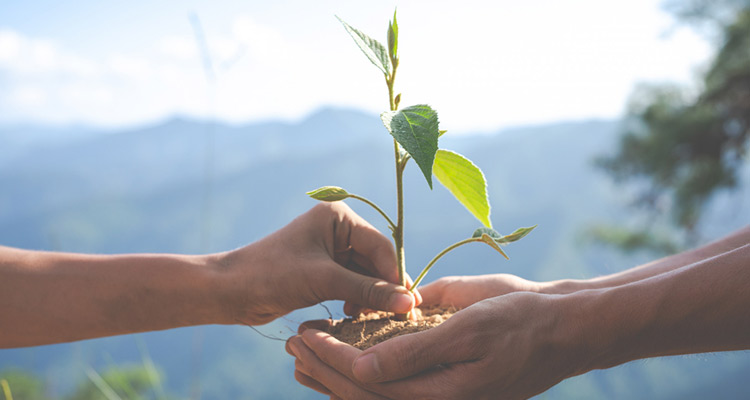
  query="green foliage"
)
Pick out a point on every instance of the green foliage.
point(21, 385)
point(486, 238)
point(517, 235)
point(495, 235)
point(415, 131)
point(393, 39)
point(465, 181)
point(711, 14)
point(415, 128)
point(680, 148)
point(374, 50)
point(117, 382)
point(123, 382)
point(495, 239)
point(633, 240)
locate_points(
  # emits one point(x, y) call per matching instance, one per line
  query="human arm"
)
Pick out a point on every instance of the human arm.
point(520, 344)
point(729, 242)
point(51, 297)
point(462, 291)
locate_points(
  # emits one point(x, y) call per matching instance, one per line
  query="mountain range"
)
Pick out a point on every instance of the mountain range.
point(190, 186)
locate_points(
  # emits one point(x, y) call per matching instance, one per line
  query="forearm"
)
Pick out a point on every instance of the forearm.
point(58, 297)
point(698, 308)
point(730, 242)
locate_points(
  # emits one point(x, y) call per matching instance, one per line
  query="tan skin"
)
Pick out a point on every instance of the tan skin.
point(516, 338)
point(327, 253)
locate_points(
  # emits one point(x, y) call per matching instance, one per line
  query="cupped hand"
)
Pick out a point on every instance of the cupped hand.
point(328, 253)
point(463, 291)
point(506, 347)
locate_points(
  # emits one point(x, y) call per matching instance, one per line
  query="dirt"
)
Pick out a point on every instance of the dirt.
point(367, 330)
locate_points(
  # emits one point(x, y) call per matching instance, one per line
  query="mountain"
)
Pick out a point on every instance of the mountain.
point(190, 186)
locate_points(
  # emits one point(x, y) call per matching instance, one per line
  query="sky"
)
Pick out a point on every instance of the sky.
point(483, 65)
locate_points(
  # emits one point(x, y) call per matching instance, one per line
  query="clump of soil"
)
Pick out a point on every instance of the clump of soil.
point(367, 330)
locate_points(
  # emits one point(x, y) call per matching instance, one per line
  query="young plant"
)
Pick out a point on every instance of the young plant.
point(415, 135)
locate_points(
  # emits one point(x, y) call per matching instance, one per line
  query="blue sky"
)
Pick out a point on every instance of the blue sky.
point(483, 65)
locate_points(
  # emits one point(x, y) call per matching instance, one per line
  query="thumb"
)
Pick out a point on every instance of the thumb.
point(371, 292)
point(405, 356)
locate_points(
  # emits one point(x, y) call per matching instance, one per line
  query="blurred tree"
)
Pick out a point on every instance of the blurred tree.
point(120, 382)
point(682, 145)
point(22, 385)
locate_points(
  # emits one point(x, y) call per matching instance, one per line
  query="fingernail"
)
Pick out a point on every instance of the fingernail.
point(401, 302)
point(366, 368)
point(294, 350)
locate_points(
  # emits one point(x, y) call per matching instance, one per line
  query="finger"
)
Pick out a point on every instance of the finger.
point(369, 243)
point(417, 294)
point(319, 324)
point(364, 266)
point(310, 382)
point(340, 356)
point(408, 355)
point(361, 265)
point(368, 292)
point(288, 347)
point(337, 383)
point(432, 293)
point(352, 309)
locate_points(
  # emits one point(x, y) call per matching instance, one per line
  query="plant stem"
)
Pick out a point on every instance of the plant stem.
point(373, 205)
point(398, 232)
point(437, 257)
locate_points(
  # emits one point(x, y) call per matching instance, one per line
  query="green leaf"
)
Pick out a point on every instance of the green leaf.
point(328, 193)
point(393, 38)
point(373, 49)
point(415, 128)
point(465, 181)
point(442, 133)
point(518, 234)
point(486, 231)
point(491, 241)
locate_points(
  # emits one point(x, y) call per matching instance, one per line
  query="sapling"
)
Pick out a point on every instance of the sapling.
point(415, 133)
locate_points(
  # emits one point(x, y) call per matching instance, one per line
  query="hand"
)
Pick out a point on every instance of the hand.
point(463, 291)
point(512, 346)
point(327, 253)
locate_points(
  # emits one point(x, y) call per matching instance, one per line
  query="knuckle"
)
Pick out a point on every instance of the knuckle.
point(473, 344)
point(300, 378)
point(324, 210)
point(313, 370)
point(410, 358)
point(370, 293)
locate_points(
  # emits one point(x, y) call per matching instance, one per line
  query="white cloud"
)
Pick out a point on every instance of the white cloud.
point(178, 47)
point(262, 41)
point(130, 67)
point(10, 46)
point(24, 56)
point(502, 66)
point(28, 96)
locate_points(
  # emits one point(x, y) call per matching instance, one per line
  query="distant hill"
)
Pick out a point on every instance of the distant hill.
point(198, 186)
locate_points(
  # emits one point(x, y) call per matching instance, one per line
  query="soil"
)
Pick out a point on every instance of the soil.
point(367, 330)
